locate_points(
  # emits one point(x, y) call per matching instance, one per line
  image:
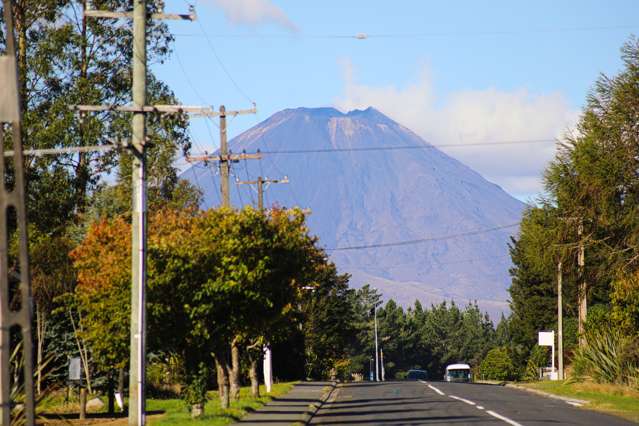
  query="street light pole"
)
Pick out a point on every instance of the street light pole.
point(376, 349)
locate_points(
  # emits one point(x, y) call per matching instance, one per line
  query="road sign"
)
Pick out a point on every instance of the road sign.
point(546, 338)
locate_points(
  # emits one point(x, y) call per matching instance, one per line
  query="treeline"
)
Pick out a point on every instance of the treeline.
point(591, 201)
point(417, 337)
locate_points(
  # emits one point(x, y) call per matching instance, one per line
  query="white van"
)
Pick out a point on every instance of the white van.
point(458, 373)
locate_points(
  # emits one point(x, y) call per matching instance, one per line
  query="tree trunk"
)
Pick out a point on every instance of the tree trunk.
point(83, 403)
point(20, 24)
point(235, 371)
point(40, 328)
point(255, 381)
point(111, 393)
point(82, 172)
point(223, 369)
point(121, 387)
point(220, 378)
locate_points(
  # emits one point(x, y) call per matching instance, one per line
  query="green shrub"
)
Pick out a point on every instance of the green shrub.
point(608, 357)
point(342, 369)
point(194, 393)
point(497, 365)
point(401, 374)
point(538, 358)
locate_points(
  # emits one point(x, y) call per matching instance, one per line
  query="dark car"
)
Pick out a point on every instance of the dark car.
point(416, 375)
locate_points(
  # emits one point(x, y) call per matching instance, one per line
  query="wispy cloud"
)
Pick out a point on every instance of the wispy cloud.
point(254, 13)
point(472, 116)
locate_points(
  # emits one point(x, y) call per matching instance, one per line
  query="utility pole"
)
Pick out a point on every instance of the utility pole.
point(138, 222)
point(582, 292)
point(225, 167)
point(261, 182)
point(560, 324)
point(225, 159)
point(139, 186)
point(268, 356)
point(12, 315)
point(376, 349)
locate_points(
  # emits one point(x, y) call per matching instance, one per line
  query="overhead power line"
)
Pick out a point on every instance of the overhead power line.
point(403, 147)
point(424, 240)
point(434, 34)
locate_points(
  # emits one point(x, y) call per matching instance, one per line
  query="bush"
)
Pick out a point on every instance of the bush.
point(194, 393)
point(608, 357)
point(497, 365)
point(401, 375)
point(539, 358)
point(342, 369)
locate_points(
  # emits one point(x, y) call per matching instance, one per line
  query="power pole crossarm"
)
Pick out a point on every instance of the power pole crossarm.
point(261, 182)
point(234, 158)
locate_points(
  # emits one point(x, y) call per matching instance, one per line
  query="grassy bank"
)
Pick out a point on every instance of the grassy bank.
point(161, 412)
point(614, 399)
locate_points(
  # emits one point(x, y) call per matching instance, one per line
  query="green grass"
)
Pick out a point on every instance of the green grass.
point(176, 412)
point(614, 399)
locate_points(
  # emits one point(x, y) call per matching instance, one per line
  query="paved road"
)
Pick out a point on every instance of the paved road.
point(421, 403)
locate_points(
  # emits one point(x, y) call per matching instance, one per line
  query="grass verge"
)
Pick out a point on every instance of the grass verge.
point(161, 412)
point(176, 412)
point(614, 399)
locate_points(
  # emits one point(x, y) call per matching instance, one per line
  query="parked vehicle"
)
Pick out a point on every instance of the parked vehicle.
point(417, 375)
point(458, 373)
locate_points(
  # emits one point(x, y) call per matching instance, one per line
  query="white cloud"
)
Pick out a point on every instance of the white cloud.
point(255, 12)
point(472, 116)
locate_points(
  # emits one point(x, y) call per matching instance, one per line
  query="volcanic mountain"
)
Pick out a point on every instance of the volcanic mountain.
point(390, 209)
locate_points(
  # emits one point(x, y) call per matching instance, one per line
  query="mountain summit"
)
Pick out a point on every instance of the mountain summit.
point(369, 181)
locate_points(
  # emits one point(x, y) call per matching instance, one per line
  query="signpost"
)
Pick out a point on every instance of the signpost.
point(547, 338)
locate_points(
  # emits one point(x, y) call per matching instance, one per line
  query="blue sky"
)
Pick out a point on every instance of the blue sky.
point(454, 72)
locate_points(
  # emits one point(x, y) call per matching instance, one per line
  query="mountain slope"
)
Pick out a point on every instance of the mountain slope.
point(383, 196)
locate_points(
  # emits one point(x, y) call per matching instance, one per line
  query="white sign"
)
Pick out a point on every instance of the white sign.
point(546, 338)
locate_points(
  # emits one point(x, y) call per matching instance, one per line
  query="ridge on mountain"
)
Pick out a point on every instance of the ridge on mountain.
point(361, 198)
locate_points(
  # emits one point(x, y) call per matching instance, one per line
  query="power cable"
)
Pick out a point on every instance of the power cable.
point(424, 240)
point(364, 36)
point(403, 147)
point(219, 61)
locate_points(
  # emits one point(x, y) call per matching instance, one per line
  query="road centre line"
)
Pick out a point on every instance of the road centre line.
point(462, 400)
point(479, 407)
point(502, 418)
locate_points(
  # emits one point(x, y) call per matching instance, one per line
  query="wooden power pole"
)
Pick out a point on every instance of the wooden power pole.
point(261, 182)
point(583, 288)
point(225, 158)
point(139, 186)
point(560, 323)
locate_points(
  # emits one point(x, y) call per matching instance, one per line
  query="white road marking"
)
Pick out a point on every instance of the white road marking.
point(462, 400)
point(502, 418)
point(492, 413)
point(575, 403)
point(433, 388)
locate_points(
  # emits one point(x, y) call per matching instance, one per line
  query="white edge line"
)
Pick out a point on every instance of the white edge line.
point(462, 400)
point(480, 407)
point(502, 418)
point(433, 388)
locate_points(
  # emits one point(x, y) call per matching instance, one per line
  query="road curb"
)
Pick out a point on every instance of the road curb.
point(571, 401)
point(314, 407)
